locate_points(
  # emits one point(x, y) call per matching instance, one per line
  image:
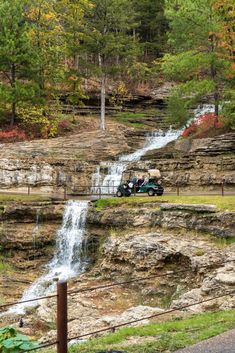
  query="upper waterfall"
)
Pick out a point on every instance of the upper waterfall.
point(110, 182)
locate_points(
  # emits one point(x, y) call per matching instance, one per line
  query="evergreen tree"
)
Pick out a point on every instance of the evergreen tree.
point(152, 26)
point(17, 56)
point(198, 61)
point(108, 41)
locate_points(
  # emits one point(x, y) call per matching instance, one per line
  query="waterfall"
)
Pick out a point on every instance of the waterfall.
point(154, 140)
point(67, 261)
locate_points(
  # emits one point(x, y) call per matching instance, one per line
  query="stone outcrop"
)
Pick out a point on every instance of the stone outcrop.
point(27, 239)
point(195, 164)
point(201, 218)
point(49, 165)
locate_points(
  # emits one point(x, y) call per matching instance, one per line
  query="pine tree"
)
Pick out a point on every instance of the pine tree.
point(108, 41)
point(17, 56)
point(198, 61)
point(152, 27)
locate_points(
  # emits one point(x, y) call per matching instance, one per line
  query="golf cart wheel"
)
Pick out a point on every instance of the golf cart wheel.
point(151, 192)
point(119, 193)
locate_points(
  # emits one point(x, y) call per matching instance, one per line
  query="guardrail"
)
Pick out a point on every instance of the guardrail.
point(100, 190)
point(63, 294)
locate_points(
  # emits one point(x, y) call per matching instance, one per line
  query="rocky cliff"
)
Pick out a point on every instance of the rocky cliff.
point(196, 164)
point(49, 165)
point(27, 238)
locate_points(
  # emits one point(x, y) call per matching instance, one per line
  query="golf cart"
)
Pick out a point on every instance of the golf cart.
point(152, 186)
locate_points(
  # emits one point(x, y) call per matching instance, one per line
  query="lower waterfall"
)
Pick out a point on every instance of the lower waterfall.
point(68, 260)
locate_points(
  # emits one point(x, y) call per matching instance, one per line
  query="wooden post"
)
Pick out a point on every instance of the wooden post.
point(62, 317)
point(99, 193)
point(28, 189)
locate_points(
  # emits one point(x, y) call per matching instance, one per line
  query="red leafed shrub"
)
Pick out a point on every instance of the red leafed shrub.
point(12, 135)
point(203, 124)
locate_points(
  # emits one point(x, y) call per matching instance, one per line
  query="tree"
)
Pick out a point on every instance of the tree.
point(198, 62)
point(48, 39)
point(17, 56)
point(152, 26)
point(72, 14)
point(109, 42)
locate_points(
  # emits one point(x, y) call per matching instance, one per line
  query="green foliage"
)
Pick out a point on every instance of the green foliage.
point(133, 119)
point(4, 266)
point(152, 26)
point(17, 56)
point(13, 342)
point(228, 109)
point(198, 60)
point(169, 336)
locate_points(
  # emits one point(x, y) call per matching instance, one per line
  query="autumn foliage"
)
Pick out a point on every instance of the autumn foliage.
point(12, 135)
point(203, 124)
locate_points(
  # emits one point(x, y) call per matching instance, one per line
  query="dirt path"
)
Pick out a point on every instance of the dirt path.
point(224, 343)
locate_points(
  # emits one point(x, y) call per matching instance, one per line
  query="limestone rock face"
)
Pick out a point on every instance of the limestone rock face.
point(195, 164)
point(203, 218)
point(50, 164)
point(218, 283)
point(131, 314)
point(150, 252)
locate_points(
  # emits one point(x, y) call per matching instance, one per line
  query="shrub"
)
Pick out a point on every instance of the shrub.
point(12, 135)
point(203, 124)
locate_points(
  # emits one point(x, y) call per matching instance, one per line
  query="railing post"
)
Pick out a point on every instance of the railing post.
point(222, 188)
point(62, 317)
point(65, 192)
point(178, 189)
point(134, 190)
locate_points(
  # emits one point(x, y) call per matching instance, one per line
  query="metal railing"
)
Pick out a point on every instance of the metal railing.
point(62, 307)
point(100, 190)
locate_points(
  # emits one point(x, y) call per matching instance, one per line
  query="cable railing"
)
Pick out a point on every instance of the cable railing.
point(65, 191)
point(62, 306)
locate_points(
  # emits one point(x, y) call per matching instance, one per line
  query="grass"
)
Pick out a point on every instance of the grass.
point(130, 119)
point(4, 266)
point(19, 198)
point(165, 336)
point(223, 203)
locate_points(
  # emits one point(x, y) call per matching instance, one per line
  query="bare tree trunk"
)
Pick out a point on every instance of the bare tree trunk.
point(102, 96)
point(13, 105)
point(102, 112)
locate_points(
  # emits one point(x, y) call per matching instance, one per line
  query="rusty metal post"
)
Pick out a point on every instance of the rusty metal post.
point(222, 188)
point(62, 317)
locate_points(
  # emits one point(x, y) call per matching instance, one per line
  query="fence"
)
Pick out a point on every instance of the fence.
point(62, 308)
point(100, 190)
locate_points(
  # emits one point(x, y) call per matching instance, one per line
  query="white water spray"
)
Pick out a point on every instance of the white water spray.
point(153, 141)
point(115, 170)
point(67, 261)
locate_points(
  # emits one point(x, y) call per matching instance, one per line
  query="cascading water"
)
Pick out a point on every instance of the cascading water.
point(67, 261)
point(115, 170)
point(155, 140)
